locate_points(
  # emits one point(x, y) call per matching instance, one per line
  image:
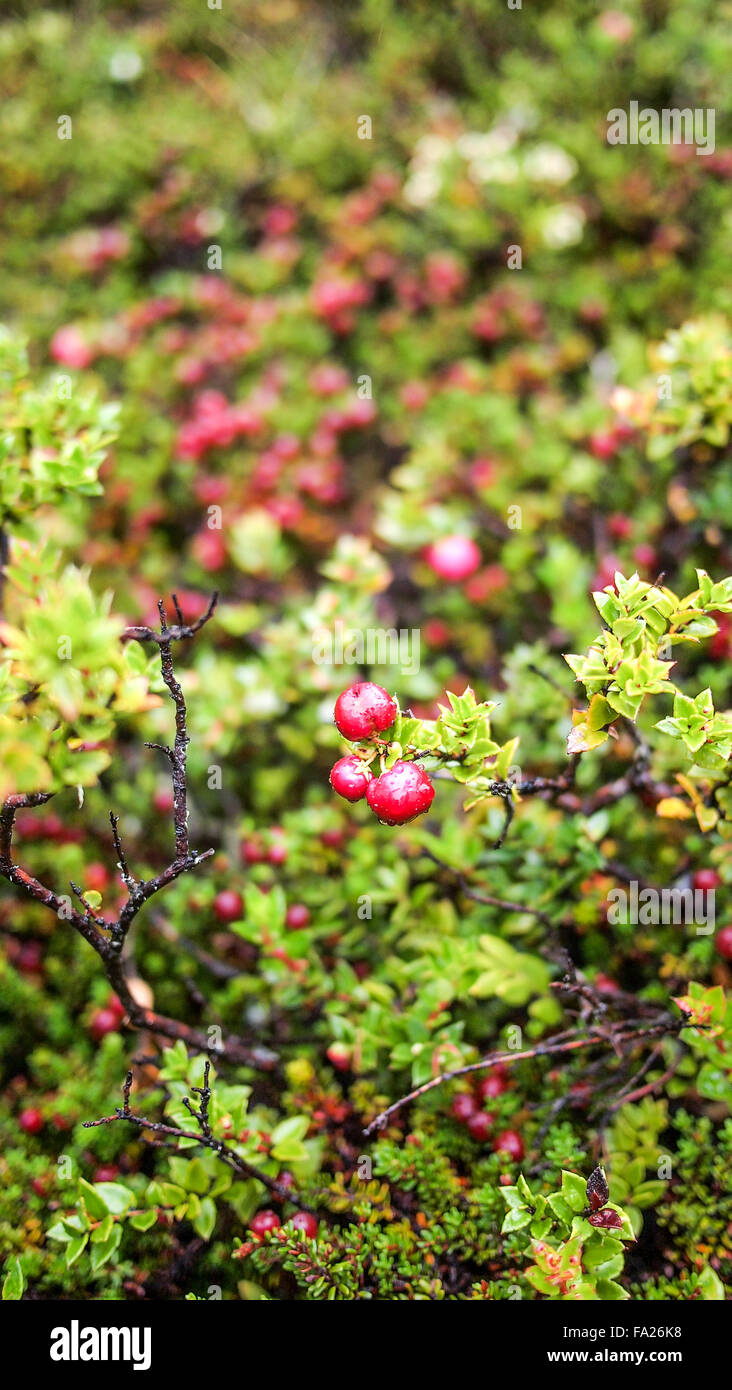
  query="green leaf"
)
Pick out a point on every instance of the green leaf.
point(14, 1281)
point(113, 1196)
point(711, 1286)
point(103, 1252)
point(93, 1200)
point(574, 1190)
point(75, 1248)
point(608, 1291)
point(206, 1220)
point(516, 1219)
point(144, 1220)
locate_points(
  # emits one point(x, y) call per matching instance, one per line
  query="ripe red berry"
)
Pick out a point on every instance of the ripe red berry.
point(400, 794)
point(332, 839)
point(251, 852)
point(297, 916)
point(264, 1221)
point(603, 444)
point(723, 942)
point(464, 1106)
point(619, 526)
point(40, 1186)
point(115, 1004)
point(31, 1120)
point(510, 1142)
point(363, 710)
point(108, 1172)
point(453, 558)
point(605, 984)
point(29, 960)
point(493, 1085)
point(706, 880)
point(645, 556)
point(96, 877)
point(103, 1021)
point(228, 905)
point(305, 1222)
point(277, 852)
point(349, 777)
point(339, 1056)
point(480, 1125)
point(163, 800)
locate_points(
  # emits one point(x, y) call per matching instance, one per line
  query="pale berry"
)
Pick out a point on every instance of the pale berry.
point(453, 558)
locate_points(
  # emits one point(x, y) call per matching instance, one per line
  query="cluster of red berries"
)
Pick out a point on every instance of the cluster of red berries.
point(467, 1107)
point(303, 1222)
point(397, 795)
point(708, 881)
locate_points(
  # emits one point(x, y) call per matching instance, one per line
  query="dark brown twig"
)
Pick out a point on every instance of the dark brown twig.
point(614, 1036)
point(107, 938)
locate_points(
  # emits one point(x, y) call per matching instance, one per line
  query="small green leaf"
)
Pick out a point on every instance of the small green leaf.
point(14, 1281)
point(75, 1247)
point(144, 1220)
point(103, 1252)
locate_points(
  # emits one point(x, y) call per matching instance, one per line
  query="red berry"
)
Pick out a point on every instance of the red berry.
point(706, 880)
point(400, 794)
point(116, 1005)
point(297, 916)
point(480, 1125)
point(349, 777)
point(228, 905)
point(453, 558)
point(493, 1085)
point(163, 800)
point(605, 985)
point(108, 1172)
point(332, 839)
point(645, 556)
point(464, 1106)
point(305, 1222)
point(39, 1186)
point(264, 1221)
point(339, 1056)
point(619, 526)
point(31, 1120)
point(363, 710)
point(723, 942)
point(277, 852)
point(30, 958)
point(96, 877)
point(510, 1142)
point(603, 444)
point(252, 852)
point(103, 1021)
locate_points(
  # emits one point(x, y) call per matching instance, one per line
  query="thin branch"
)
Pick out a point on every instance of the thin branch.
point(615, 1036)
point(107, 938)
point(202, 1135)
point(178, 633)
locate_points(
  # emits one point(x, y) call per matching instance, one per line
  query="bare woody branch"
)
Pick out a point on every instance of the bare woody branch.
point(107, 937)
point(202, 1135)
point(618, 1038)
